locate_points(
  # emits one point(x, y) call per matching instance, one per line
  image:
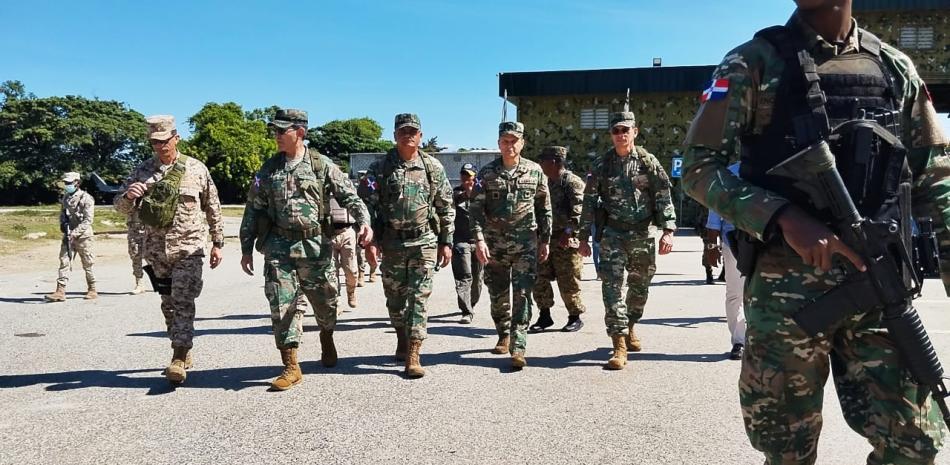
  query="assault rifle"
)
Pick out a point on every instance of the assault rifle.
point(890, 282)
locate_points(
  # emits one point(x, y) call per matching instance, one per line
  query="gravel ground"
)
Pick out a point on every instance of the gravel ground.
point(80, 382)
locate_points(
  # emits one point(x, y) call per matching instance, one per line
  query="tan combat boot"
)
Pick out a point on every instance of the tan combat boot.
point(59, 295)
point(633, 342)
point(402, 344)
point(327, 349)
point(291, 376)
point(351, 296)
point(91, 293)
point(619, 358)
point(359, 279)
point(517, 360)
point(175, 373)
point(138, 287)
point(501, 347)
point(413, 367)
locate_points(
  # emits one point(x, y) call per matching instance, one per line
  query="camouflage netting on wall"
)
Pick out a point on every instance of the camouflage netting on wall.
point(932, 63)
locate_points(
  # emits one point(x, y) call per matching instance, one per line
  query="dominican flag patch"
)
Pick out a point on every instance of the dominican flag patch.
point(370, 183)
point(478, 184)
point(716, 90)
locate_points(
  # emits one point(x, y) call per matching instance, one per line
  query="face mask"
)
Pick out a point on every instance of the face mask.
point(70, 188)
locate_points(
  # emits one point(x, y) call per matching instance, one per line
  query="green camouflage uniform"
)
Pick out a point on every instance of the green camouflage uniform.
point(78, 210)
point(784, 370)
point(511, 212)
point(404, 207)
point(564, 263)
point(635, 192)
point(297, 253)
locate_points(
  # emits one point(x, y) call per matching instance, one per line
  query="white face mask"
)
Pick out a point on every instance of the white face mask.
point(70, 188)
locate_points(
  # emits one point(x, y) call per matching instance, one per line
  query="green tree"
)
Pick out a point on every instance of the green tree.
point(432, 145)
point(339, 138)
point(263, 114)
point(40, 138)
point(232, 143)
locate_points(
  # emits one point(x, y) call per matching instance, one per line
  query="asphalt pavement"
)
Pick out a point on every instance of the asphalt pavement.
point(80, 381)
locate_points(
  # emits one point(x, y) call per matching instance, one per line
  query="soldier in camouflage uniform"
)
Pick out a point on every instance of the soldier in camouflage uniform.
point(287, 214)
point(136, 240)
point(565, 264)
point(784, 370)
point(176, 199)
point(632, 191)
point(511, 215)
point(75, 220)
point(410, 200)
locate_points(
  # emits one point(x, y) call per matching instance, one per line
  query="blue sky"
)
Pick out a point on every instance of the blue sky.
point(339, 60)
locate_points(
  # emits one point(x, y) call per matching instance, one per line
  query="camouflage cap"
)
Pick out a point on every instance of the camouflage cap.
point(511, 127)
point(469, 168)
point(287, 117)
point(623, 118)
point(407, 119)
point(161, 127)
point(553, 152)
point(71, 176)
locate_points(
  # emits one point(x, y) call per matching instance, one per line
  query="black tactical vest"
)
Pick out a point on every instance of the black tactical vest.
point(814, 98)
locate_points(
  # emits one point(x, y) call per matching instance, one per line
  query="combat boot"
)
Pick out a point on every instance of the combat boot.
point(291, 376)
point(359, 279)
point(59, 295)
point(574, 323)
point(372, 274)
point(544, 321)
point(501, 347)
point(91, 293)
point(401, 345)
point(633, 342)
point(413, 367)
point(351, 296)
point(619, 358)
point(327, 349)
point(138, 287)
point(517, 360)
point(175, 373)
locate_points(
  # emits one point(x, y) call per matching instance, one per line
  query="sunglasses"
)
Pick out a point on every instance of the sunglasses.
point(160, 142)
point(619, 130)
point(407, 131)
point(276, 131)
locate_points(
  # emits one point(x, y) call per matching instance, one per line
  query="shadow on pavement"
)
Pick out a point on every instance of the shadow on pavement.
point(211, 332)
point(682, 282)
point(241, 317)
point(228, 379)
point(683, 322)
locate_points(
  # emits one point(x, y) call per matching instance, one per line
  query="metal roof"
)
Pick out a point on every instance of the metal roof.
point(886, 5)
point(605, 81)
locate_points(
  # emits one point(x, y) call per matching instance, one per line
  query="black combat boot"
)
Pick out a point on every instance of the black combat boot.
point(574, 323)
point(544, 321)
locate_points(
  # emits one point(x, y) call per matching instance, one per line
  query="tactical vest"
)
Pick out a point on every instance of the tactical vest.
point(161, 199)
point(837, 101)
point(389, 190)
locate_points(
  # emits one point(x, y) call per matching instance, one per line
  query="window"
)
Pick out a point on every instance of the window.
point(595, 118)
point(916, 38)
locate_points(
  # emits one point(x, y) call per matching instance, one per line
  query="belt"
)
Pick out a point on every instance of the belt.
point(622, 225)
point(298, 234)
point(338, 226)
point(405, 234)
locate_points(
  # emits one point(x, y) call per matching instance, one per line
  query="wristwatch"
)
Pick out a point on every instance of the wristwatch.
point(711, 246)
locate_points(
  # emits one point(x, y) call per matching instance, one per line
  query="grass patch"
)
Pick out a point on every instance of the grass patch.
point(16, 224)
point(232, 211)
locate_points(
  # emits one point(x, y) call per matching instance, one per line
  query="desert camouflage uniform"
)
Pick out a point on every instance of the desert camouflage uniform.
point(563, 263)
point(298, 256)
point(177, 251)
point(511, 212)
point(399, 202)
point(78, 209)
point(784, 370)
point(635, 192)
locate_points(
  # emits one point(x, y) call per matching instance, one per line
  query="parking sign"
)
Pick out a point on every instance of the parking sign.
point(676, 170)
